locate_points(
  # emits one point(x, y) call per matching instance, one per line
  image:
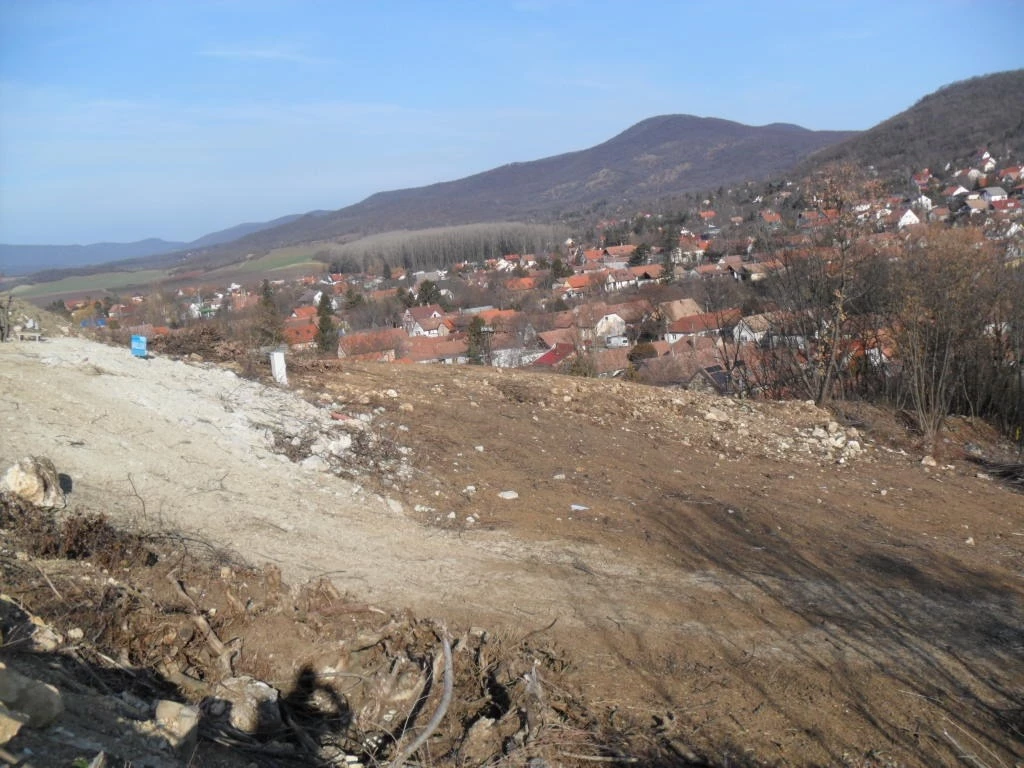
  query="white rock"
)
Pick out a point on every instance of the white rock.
point(315, 464)
point(340, 446)
point(253, 703)
point(508, 495)
point(179, 724)
point(929, 461)
point(35, 480)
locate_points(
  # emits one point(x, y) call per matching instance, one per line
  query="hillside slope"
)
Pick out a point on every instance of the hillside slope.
point(659, 156)
point(945, 126)
point(709, 565)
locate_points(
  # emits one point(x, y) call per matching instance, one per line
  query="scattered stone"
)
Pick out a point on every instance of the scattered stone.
point(315, 464)
point(929, 461)
point(35, 480)
point(179, 724)
point(391, 394)
point(479, 449)
point(339, 446)
point(10, 724)
point(406, 408)
point(559, 476)
point(251, 705)
point(508, 495)
point(716, 414)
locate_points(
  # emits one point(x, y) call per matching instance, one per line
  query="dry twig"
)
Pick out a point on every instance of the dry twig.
point(442, 708)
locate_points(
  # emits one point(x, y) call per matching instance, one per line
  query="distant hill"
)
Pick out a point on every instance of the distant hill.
point(948, 125)
point(24, 259)
point(241, 230)
point(660, 156)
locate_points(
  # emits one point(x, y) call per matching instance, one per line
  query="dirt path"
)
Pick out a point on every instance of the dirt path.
point(765, 604)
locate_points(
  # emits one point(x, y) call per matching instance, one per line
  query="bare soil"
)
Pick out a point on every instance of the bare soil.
point(715, 579)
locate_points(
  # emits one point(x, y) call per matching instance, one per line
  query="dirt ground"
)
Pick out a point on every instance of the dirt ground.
point(765, 583)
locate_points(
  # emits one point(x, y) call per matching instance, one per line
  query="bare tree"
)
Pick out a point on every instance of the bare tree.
point(947, 291)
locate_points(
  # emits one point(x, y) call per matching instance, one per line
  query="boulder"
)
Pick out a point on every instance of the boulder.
point(34, 479)
point(39, 702)
point(251, 705)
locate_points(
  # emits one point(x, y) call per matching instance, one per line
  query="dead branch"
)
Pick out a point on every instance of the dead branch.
point(600, 758)
point(963, 753)
point(49, 583)
point(442, 708)
point(225, 655)
point(136, 494)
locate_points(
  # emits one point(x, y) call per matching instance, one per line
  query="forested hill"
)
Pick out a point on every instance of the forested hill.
point(658, 157)
point(945, 126)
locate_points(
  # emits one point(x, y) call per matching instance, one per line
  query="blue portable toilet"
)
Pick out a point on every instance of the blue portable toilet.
point(139, 346)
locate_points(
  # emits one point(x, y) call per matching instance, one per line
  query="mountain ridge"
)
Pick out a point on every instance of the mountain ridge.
point(18, 259)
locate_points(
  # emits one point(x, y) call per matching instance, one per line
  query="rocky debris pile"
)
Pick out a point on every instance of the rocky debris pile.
point(322, 434)
point(743, 428)
point(188, 660)
point(345, 439)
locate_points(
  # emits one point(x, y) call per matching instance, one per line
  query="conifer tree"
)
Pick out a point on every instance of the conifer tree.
point(327, 334)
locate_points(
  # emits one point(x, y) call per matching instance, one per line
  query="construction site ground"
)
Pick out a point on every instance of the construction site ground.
point(706, 580)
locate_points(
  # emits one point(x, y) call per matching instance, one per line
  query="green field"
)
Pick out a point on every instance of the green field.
point(82, 284)
point(292, 258)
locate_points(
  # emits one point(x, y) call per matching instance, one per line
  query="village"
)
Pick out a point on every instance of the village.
point(684, 304)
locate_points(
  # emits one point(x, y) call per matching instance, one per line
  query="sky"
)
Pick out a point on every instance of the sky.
point(126, 120)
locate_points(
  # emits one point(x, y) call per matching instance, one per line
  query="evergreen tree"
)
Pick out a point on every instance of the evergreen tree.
point(476, 339)
point(326, 334)
point(269, 325)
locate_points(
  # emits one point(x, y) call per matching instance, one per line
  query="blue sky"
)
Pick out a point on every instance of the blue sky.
point(124, 120)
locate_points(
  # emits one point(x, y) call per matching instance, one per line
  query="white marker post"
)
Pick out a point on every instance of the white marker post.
point(278, 368)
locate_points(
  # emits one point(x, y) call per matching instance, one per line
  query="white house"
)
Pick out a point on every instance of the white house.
point(908, 218)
